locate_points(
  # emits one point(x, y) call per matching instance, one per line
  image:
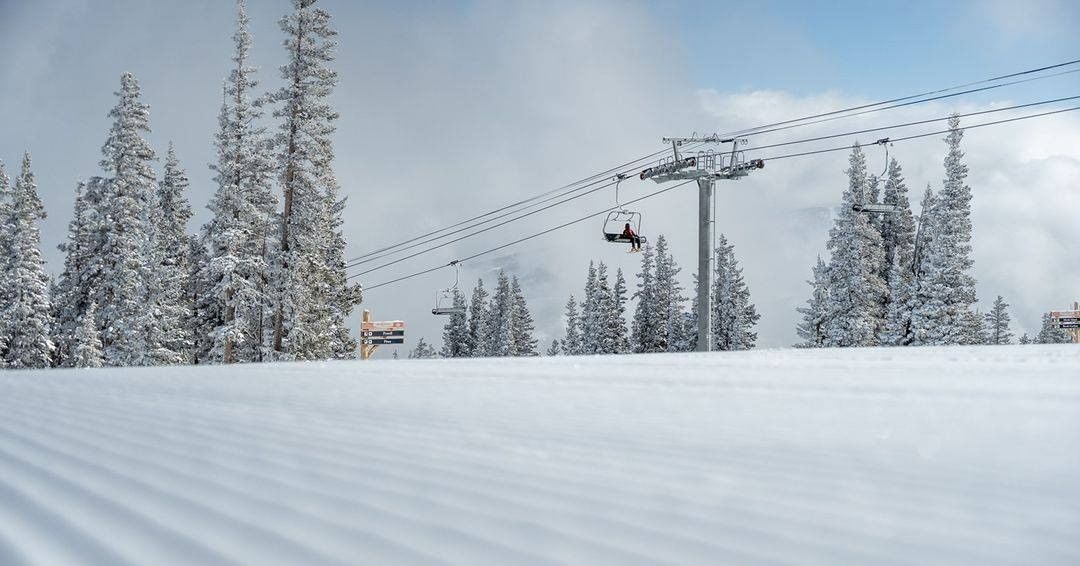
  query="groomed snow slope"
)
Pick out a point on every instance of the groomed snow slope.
point(876, 456)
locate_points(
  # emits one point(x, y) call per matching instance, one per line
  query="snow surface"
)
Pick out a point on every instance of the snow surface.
point(871, 456)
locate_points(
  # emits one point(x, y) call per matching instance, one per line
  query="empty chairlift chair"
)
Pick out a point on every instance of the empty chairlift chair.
point(444, 299)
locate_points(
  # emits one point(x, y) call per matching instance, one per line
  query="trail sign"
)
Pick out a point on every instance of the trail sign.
point(1068, 320)
point(381, 333)
point(383, 325)
point(383, 341)
point(375, 333)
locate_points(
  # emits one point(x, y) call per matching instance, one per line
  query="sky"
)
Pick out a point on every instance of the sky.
point(452, 109)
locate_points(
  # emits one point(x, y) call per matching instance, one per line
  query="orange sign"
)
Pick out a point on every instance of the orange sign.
point(383, 325)
point(1064, 314)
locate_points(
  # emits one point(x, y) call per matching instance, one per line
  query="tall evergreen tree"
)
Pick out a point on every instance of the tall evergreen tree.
point(76, 288)
point(311, 297)
point(644, 326)
point(898, 242)
point(997, 323)
point(571, 344)
point(169, 338)
point(669, 300)
point(521, 323)
point(126, 234)
point(498, 340)
point(591, 317)
point(477, 320)
point(242, 208)
point(617, 333)
point(947, 293)
point(28, 317)
point(205, 316)
point(7, 284)
point(812, 329)
point(924, 306)
point(733, 315)
point(456, 331)
point(1050, 333)
point(855, 313)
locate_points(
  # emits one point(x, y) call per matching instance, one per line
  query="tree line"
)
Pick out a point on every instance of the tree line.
point(895, 279)
point(663, 319)
point(264, 279)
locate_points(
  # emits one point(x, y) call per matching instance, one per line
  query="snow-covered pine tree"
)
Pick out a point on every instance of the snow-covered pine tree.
point(947, 291)
point(498, 341)
point(423, 351)
point(898, 241)
point(815, 315)
point(669, 302)
point(857, 292)
point(76, 287)
point(86, 352)
point(975, 332)
point(617, 333)
point(27, 316)
point(242, 208)
point(7, 286)
point(571, 344)
point(169, 339)
point(1050, 333)
point(205, 315)
point(311, 296)
point(521, 323)
point(591, 323)
point(645, 325)
point(604, 313)
point(924, 308)
point(997, 323)
point(456, 331)
point(733, 315)
point(126, 234)
point(554, 349)
point(1025, 339)
point(477, 320)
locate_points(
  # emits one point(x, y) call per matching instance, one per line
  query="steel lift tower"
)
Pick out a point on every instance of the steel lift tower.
point(705, 167)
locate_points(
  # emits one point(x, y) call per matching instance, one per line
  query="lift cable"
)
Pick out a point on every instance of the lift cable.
point(677, 185)
point(482, 230)
point(610, 183)
point(431, 237)
point(928, 134)
point(746, 132)
point(917, 123)
point(523, 239)
point(772, 127)
point(579, 184)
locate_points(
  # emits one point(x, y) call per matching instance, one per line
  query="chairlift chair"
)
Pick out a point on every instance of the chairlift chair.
point(617, 219)
point(444, 298)
point(615, 222)
point(444, 303)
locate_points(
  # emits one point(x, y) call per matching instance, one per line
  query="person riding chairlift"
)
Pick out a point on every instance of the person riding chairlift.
point(635, 240)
